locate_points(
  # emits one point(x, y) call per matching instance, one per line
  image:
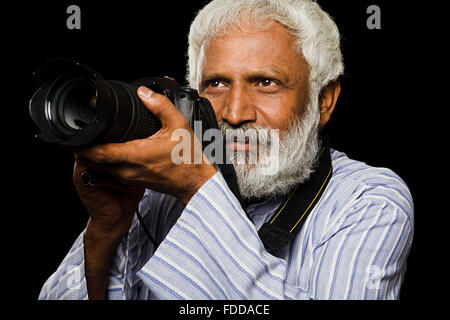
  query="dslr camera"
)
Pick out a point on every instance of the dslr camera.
point(76, 107)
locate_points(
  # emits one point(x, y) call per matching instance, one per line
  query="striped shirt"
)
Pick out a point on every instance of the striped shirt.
point(353, 245)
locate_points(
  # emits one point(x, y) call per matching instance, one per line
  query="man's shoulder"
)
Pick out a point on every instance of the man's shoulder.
point(361, 181)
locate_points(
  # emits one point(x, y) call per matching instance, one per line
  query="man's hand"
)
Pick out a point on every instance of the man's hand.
point(121, 172)
point(111, 206)
point(147, 162)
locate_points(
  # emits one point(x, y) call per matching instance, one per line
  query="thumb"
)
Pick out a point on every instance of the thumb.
point(161, 107)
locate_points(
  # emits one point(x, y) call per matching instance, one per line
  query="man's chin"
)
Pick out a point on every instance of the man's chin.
point(250, 166)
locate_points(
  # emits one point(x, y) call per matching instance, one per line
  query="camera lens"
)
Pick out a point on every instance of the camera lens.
point(76, 107)
point(73, 106)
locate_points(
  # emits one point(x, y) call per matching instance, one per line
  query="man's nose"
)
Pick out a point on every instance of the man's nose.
point(238, 108)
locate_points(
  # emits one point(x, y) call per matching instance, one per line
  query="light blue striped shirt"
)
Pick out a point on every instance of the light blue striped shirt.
point(353, 245)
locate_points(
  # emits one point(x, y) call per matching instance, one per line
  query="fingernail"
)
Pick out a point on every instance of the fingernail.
point(144, 92)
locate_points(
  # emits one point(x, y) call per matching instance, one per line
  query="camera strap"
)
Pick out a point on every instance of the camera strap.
point(226, 168)
point(289, 218)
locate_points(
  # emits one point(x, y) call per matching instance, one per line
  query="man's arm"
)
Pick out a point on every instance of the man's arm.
point(123, 170)
point(214, 252)
point(362, 255)
point(99, 251)
point(69, 281)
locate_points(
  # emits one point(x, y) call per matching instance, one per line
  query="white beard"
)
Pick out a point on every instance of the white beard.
point(294, 156)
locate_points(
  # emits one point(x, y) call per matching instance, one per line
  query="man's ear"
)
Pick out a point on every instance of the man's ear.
point(327, 100)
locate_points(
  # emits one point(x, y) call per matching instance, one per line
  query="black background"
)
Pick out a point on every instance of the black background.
point(377, 118)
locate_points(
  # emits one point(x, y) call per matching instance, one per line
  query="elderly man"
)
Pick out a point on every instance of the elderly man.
point(263, 64)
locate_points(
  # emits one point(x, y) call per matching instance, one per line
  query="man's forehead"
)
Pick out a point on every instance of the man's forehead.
point(268, 50)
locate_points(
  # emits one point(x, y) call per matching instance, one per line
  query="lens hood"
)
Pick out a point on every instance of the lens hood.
point(43, 106)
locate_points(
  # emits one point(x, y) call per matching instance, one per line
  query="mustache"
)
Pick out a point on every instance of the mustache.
point(246, 133)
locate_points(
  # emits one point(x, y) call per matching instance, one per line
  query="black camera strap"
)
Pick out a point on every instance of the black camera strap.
point(291, 215)
point(289, 218)
point(226, 168)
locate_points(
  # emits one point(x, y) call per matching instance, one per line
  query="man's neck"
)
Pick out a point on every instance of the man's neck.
point(250, 201)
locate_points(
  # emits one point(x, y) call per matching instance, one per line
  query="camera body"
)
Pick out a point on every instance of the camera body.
point(76, 107)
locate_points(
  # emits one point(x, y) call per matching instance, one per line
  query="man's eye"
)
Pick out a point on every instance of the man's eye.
point(215, 83)
point(266, 82)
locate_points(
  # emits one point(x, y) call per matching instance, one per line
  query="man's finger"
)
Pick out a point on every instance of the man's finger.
point(97, 179)
point(162, 108)
point(108, 153)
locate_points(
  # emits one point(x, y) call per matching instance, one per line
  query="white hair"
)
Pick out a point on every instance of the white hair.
point(318, 39)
